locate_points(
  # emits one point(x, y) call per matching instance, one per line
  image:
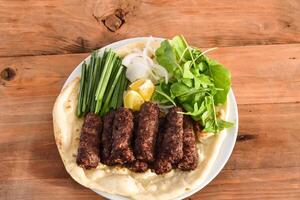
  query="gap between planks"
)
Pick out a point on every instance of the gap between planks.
point(88, 53)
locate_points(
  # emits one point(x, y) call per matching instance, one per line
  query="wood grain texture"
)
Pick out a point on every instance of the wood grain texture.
point(265, 163)
point(260, 74)
point(260, 44)
point(61, 26)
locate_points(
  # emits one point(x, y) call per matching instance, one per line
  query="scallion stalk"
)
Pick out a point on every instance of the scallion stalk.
point(106, 73)
point(115, 96)
point(102, 84)
point(110, 92)
point(124, 85)
point(91, 78)
point(84, 102)
point(96, 80)
point(81, 90)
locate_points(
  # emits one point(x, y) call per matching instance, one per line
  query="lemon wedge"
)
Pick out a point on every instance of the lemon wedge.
point(133, 100)
point(144, 87)
point(136, 84)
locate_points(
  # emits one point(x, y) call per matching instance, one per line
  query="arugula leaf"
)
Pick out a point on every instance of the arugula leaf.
point(177, 74)
point(180, 47)
point(187, 82)
point(166, 57)
point(186, 70)
point(179, 89)
point(202, 80)
point(202, 66)
point(162, 94)
point(222, 79)
point(209, 117)
point(198, 84)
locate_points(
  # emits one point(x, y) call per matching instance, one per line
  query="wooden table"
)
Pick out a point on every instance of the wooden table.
point(259, 41)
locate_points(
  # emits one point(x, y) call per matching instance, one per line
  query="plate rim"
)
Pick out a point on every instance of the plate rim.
point(234, 130)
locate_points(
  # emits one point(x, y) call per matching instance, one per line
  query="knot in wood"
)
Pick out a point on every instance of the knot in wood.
point(8, 74)
point(114, 21)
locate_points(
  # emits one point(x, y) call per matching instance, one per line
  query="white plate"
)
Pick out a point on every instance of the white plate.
point(226, 147)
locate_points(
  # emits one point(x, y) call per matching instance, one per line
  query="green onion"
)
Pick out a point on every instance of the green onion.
point(110, 92)
point(124, 85)
point(106, 73)
point(81, 91)
point(102, 84)
point(111, 81)
point(114, 98)
point(97, 72)
point(114, 72)
point(91, 78)
point(85, 89)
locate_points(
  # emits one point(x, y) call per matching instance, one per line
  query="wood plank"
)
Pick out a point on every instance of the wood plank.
point(265, 163)
point(60, 26)
point(260, 74)
point(45, 189)
point(264, 74)
point(34, 74)
point(270, 184)
point(265, 167)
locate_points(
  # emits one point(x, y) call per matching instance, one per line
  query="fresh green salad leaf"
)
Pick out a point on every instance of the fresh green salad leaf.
point(179, 89)
point(180, 47)
point(186, 70)
point(162, 94)
point(197, 83)
point(166, 56)
point(222, 79)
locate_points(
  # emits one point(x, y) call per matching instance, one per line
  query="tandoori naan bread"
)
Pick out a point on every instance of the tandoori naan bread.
point(116, 180)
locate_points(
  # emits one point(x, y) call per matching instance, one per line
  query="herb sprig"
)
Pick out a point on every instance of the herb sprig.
point(198, 84)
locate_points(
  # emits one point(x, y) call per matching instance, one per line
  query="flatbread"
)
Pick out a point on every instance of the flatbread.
point(116, 180)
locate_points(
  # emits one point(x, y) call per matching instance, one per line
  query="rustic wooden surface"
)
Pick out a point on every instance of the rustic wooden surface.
point(42, 41)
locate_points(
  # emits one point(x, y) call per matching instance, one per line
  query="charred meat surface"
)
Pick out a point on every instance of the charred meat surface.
point(162, 166)
point(146, 132)
point(88, 152)
point(138, 166)
point(171, 149)
point(106, 138)
point(190, 157)
point(140, 140)
point(172, 143)
point(159, 166)
point(136, 115)
point(122, 132)
point(160, 134)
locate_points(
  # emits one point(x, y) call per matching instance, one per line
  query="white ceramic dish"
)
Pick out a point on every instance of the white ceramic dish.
point(226, 147)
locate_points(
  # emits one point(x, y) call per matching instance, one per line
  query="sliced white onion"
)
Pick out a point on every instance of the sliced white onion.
point(161, 71)
point(128, 59)
point(148, 50)
point(140, 65)
point(154, 78)
point(138, 68)
point(148, 59)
